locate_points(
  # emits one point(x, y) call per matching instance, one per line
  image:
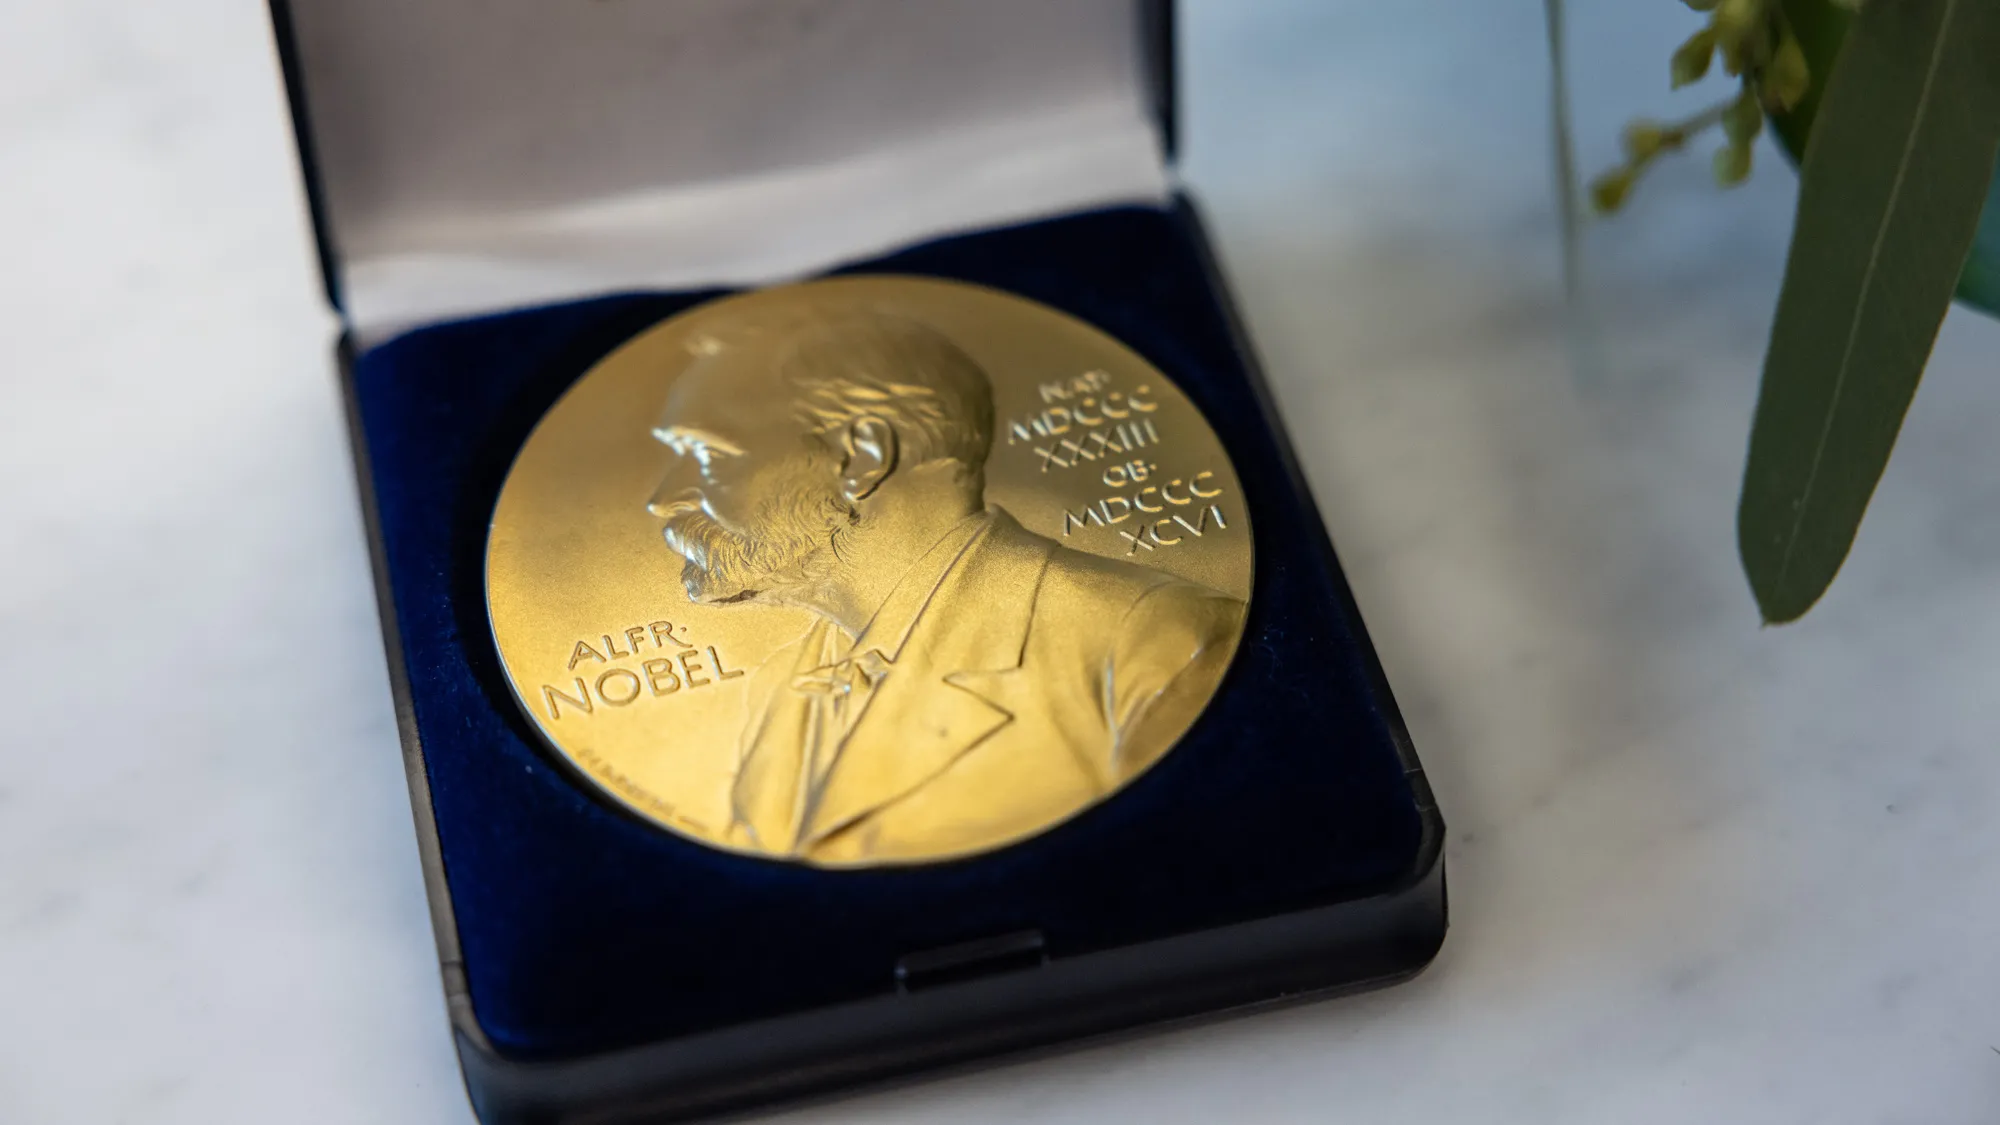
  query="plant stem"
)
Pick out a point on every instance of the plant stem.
point(1565, 155)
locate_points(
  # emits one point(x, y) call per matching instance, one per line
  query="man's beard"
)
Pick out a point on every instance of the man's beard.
point(787, 548)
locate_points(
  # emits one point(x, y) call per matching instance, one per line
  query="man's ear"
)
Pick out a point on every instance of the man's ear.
point(871, 457)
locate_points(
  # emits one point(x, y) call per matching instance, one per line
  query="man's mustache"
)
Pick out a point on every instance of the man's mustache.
point(695, 537)
point(725, 564)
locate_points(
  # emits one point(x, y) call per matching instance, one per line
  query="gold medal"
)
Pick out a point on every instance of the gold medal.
point(873, 570)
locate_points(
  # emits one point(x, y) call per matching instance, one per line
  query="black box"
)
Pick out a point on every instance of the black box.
point(503, 194)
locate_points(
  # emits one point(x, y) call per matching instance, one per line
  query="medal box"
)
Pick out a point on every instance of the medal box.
point(505, 192)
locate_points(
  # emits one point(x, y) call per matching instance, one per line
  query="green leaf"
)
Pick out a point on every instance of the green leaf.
point(1788, 76)
point(1732, 164)
point(1739, 30)
point(1820, 28)
point(1608, 191)
point(1737, 20)
point(1744, 118)
point(1897, 167)
point(1690, 61)
point(1643, 140)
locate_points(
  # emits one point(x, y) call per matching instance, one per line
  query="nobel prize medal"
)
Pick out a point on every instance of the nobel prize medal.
point(873, 570)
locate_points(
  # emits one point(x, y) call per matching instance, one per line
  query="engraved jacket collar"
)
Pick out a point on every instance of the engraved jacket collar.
point(889, 630)
point(943, 690)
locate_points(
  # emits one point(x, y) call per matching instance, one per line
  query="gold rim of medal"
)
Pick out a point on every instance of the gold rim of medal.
point(868, 571)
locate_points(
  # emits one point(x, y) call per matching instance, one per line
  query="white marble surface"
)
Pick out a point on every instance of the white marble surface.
point(1701, 871)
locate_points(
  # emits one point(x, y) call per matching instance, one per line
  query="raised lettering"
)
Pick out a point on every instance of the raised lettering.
point(1194, 486)
point(1154, 532)
point(612, 648)
point(1077, 451)
point(580, 701)
point(1071, 520)
point(722, 673)
point(622, 676)
point(583, 652)
point(690, 665)
point(660, 676)
point(663, 635)
point(1064, 389)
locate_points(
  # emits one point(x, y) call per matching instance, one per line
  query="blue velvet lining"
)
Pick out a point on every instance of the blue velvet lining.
point(584, 929)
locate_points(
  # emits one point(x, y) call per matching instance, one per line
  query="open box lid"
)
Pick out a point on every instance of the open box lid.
point(465, 156)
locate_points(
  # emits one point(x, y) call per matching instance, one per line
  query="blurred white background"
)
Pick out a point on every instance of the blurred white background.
point(1701, 871)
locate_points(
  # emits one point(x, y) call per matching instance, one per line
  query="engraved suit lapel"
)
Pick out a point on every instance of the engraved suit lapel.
point(949, 688)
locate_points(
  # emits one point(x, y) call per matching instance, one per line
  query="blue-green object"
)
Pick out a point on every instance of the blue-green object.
point(1821, 28)
point(1979, 285)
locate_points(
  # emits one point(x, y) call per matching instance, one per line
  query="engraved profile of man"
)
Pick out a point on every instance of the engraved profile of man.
point(966, 682)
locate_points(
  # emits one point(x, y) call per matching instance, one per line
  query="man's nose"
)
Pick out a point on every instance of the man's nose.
point(676, 494)
point(673, 500)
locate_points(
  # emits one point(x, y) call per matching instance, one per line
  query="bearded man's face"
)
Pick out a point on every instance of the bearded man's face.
point(752, 502)
point(777, 546)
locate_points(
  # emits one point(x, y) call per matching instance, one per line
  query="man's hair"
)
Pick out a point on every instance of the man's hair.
point(847, 363)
